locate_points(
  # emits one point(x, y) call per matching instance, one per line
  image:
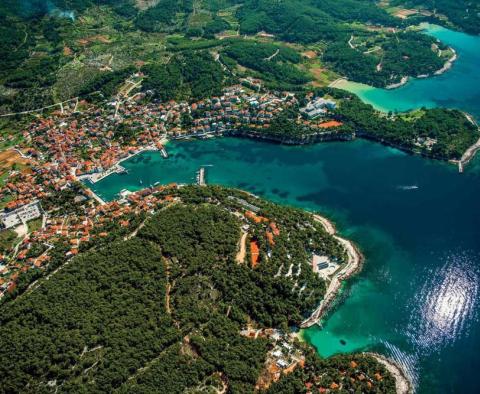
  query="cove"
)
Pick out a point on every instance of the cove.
point(457, 88)
point(416, 221)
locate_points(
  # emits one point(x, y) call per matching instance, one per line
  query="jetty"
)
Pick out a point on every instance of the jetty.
point(201, 177)
point(162, 150)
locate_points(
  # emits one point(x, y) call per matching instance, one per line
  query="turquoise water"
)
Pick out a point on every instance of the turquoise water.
point(416, 221)
point(416, 299)
point(458, 88)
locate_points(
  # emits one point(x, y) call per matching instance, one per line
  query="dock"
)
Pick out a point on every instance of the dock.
point(162, 150)
point(201, 177)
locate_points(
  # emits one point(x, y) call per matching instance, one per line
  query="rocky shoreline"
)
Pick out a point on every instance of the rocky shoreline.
point(306, 139)
point(354, 264)
point(448, 64)
point(403, 384)
point(397, 85)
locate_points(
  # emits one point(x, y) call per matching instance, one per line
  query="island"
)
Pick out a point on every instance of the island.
point(181, 288)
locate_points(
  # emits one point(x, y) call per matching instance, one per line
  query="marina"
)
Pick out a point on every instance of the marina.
point(118, 168)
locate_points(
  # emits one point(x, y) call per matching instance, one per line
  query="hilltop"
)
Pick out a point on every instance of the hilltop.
point(460, 14)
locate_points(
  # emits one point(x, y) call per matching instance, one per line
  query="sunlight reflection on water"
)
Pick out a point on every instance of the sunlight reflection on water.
point(445, 303)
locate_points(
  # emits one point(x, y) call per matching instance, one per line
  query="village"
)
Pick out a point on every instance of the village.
point(83, 143)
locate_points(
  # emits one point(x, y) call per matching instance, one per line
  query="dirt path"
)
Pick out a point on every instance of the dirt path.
point(240, 258)
point(60, 104)
point(24, 41)
point(272, 56)
point(167, 299)
point(350, 42)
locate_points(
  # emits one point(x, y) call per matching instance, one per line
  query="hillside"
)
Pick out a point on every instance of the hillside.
point(162, 310)
point(52, 51)
point(460, 14)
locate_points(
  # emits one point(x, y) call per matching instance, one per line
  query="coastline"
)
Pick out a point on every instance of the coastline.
point(470, 153)
point(467, 156)
point(448, 64)
point(97, 177)
point(354, 264)
point(403, 384)
point(338, 82)
point(397, 85)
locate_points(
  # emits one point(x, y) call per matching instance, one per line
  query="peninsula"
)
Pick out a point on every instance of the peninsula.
point(207, 319)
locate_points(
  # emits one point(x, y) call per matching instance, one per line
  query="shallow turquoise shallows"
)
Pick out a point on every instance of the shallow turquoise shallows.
point(458, 88)
point(417, 222)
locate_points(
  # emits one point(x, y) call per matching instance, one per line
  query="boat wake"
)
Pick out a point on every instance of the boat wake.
point(408, 362)
point(407, 187)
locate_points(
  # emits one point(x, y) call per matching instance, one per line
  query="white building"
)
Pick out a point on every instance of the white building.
point(21, 215)
point(318, 107)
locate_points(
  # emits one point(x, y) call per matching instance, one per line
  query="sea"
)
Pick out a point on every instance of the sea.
point(417, 222)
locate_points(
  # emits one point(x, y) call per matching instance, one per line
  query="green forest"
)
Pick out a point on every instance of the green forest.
point(162, 312)
point(187, 76)
point(396, 55)
point(273, 63)
point(51, 50)
point(452, 132)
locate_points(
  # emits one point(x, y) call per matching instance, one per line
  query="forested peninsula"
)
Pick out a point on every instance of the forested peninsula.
point(436, 133)
point(172, 306)
point(460, 14)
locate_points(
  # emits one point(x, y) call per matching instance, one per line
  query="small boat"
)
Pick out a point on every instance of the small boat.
point(408, 187)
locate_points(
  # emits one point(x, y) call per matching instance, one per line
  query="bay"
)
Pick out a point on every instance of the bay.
point(457, 88)
point(416, 221)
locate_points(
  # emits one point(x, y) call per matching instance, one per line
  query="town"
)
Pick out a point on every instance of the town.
point(83, 142)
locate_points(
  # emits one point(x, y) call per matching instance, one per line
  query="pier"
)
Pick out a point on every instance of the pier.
point(162, 150)
point(164, 153)
point(201, 177)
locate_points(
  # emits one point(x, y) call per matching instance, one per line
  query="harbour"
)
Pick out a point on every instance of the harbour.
point(420, 243)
